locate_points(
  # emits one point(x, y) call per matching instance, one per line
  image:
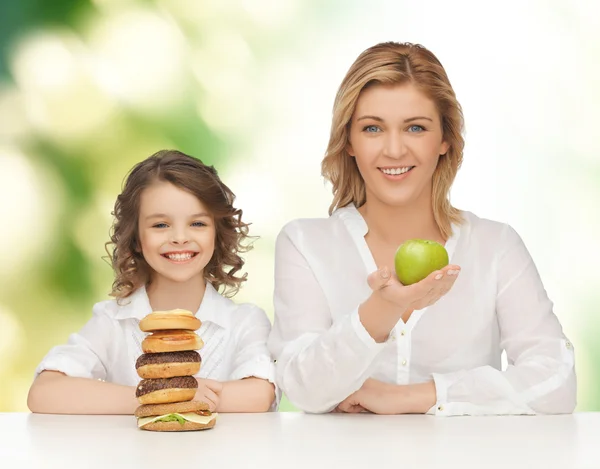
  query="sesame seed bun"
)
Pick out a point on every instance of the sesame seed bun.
point(177, 427)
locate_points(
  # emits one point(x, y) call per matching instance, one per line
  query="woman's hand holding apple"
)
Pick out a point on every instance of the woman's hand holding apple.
point(425, 264)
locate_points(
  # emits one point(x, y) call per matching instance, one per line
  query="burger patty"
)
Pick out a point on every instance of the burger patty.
point(147, 386)
point(189, 356)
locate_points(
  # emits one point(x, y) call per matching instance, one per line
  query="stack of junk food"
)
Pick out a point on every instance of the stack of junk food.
point(167, 366)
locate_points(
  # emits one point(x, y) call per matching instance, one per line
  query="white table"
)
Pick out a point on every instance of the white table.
point(296, 440)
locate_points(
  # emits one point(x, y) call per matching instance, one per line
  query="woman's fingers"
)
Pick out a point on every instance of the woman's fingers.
point(357, 409)
point(378, 279)
point(429, 290)
point(345, 406)
point(348, 408)
point(418, 295)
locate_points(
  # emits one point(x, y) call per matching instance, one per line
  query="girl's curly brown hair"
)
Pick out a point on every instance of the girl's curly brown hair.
point(190, 174)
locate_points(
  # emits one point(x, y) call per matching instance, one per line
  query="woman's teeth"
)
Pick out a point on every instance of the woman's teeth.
point(180, 257)
point(396, 171)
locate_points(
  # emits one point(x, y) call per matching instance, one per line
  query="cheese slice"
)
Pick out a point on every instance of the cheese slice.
point(189, 416)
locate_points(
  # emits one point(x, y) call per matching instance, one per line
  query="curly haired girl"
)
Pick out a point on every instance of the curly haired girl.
point(176, 241)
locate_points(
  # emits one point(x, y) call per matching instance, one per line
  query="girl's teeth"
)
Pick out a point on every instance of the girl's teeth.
point(179, 257)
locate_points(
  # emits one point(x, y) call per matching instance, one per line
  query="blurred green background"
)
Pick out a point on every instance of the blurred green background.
point(90, 87)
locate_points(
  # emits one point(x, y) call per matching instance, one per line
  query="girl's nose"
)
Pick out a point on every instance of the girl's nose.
point(179, 237)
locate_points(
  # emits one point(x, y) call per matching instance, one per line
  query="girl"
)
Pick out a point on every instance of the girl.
point(348, 341)
point(176, 239)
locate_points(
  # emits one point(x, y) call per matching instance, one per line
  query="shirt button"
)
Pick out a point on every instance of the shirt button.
point(403, 362)
point(441, 408)
point(403, 332)
point(569, 345)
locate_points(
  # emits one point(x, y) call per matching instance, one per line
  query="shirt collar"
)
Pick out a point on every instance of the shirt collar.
point(212, 309)
point(352, 219)
point(358, 228)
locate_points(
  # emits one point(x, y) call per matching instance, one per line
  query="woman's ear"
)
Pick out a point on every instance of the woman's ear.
point(349, 149)
point(444, 148)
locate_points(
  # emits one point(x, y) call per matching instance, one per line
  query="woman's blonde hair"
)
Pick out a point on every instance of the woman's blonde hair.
point(190, 174)
point(392, 63)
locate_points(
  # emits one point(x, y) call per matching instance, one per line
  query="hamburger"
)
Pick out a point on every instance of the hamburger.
point(171, 341)
point(175, 417)
point(166, 390)
point(168, 364)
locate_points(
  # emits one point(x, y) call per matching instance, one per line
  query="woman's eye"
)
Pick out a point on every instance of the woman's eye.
point(415, 128)
point(160, 225)
point(198, 223)
point(371, 129)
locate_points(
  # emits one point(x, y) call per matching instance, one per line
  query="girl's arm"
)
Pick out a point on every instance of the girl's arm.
point(55, 393)
point(247, 395)
point(250, 387)
point(70, 378)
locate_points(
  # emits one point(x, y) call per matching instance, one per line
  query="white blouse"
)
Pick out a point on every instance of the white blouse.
point(323, 353)
point(109, 344)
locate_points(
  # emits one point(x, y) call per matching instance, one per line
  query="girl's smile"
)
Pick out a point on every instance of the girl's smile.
point(179, 257)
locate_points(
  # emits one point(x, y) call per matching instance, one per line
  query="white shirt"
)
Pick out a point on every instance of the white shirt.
point(109, 344)
point(498, 303)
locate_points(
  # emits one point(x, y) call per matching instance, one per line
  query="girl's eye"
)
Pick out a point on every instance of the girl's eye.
point(160, 225)
point(371, 129)
point(198, 223)
point(415, 128)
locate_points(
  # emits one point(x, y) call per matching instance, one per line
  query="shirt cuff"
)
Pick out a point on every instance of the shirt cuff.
point(65, 365)
point(442, 383)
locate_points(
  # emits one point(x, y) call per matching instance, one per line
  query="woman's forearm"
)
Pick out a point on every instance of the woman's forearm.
point(55, 393)
point(379, 316)
point(246, 395)
point(418, 398)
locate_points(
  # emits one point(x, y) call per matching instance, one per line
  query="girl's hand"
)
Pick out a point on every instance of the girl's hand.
point(209, 391)
point(416, 296)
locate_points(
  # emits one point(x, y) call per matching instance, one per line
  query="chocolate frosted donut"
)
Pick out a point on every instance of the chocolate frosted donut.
point(189, 356)
point(168, 364)
point(165, 390)
point(147, 386)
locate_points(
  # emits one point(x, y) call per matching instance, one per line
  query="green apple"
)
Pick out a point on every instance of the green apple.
point(415, 259)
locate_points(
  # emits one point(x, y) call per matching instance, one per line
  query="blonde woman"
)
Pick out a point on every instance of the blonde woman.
point(347, 335)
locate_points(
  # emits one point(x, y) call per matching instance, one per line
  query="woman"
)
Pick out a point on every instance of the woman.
point(347, 335)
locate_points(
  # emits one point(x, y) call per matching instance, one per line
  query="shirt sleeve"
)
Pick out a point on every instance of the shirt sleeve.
point(540, 377)
point(318, 362)
point(252, 358)
point(85, 355)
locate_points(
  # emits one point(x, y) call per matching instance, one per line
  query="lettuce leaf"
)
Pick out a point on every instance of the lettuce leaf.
point(172, 418)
